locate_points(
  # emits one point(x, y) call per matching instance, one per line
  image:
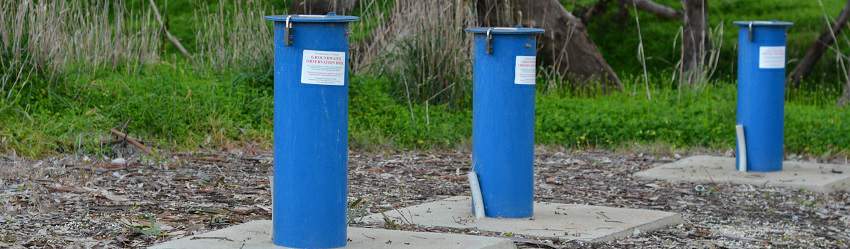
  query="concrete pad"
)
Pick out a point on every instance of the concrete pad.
point(551, 220)
point(815, 177)
point(257, 235)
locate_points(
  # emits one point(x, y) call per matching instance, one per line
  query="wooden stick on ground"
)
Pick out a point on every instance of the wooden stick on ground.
point(173, 39)
point(131, 140)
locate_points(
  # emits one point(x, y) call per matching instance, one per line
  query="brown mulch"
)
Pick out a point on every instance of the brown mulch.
point(80, 202)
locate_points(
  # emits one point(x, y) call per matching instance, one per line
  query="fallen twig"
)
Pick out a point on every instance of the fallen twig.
point(215, 238)
point(132, 141)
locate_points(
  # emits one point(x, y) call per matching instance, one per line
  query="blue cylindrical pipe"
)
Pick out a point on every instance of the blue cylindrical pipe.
point(310, 184)
point(761, 93)
point(503, 119)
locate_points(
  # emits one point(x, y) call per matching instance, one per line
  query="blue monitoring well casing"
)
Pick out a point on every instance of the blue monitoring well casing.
point(310, 130)
point(761, 93)
point(504, 66)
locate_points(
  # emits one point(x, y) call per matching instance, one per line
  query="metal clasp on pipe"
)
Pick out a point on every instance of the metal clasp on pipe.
point(287, 32)
point(489, 41)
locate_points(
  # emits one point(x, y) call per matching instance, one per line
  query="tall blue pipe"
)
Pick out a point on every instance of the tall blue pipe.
point(761, 93)
point(310, 130)
point(503, 118)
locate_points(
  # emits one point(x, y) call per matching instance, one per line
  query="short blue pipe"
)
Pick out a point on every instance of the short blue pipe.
point(503, 120)
point(761, 92)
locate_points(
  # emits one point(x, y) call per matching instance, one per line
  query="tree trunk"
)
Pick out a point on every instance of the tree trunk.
point(816, 50)
point(654, 8)
point(321, 7)
point(565, 45)
point(695, 41)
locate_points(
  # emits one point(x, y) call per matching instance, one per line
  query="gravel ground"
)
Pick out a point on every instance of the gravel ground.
point(80, 202)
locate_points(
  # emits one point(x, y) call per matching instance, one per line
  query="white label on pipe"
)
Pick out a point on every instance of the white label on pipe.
point(771, 57)
point(526, 70)
point(323, 68)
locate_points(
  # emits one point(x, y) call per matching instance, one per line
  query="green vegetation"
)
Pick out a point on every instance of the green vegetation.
point(177, 104)
point(183, 110)
point(702, 118)
point(169, 106)
point(617, 37)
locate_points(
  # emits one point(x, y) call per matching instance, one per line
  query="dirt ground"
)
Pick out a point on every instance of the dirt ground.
point(80, 202)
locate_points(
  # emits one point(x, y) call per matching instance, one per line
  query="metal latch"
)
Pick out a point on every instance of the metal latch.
point(489, 41)
point(287, 32)
point(750, 31)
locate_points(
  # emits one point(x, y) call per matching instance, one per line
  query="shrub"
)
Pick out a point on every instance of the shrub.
point(424, 51)
point(47, 39)
point(235, 37)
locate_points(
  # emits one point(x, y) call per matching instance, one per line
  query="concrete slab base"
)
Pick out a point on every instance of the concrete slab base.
point(551, 220)
point(257, 235)
point(815, 177)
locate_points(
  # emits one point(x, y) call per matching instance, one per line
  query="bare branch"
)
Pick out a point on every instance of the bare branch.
point(171, 38)
point(600, 7)
point(817, 49)
point(659, 10)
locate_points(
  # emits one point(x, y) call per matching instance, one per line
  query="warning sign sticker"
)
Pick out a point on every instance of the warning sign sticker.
point(526, 70)
point(323, 68)
point(771, 57)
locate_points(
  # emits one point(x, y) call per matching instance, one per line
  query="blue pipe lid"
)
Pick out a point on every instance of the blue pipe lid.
point(505, 31)
point(763, 23)
point(330, 17)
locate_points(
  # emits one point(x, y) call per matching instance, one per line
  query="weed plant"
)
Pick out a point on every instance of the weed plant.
point(235, 37)
point(43, 42)
point(424, 51)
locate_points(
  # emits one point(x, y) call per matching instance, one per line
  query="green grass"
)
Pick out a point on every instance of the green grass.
point(692, 118)
point(698, 118)
point(169, 106)
point(177, 106)
point(178, 109)
point(377, 120)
